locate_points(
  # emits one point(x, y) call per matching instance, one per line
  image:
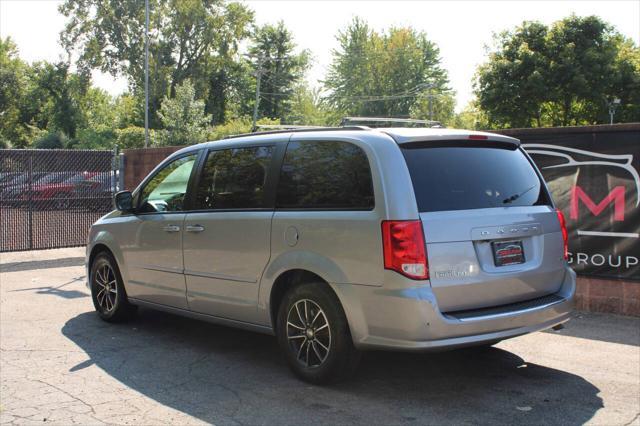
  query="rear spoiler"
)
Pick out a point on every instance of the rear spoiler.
point(447, 137)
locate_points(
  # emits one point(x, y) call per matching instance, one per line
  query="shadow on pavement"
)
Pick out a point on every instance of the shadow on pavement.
point(58, 290)
point(225, 376)
point(603, 327)
point(41, 264)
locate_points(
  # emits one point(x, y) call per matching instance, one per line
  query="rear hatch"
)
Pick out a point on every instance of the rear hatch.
point(492, 234)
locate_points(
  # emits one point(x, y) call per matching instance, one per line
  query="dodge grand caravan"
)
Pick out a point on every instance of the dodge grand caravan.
point(341, 240)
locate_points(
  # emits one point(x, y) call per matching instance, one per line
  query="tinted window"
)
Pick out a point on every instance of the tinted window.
point(325, 175)
point(461, 178)
point(234, 179)
point(165, 192)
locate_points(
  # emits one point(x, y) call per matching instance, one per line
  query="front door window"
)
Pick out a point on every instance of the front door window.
point(166, 191)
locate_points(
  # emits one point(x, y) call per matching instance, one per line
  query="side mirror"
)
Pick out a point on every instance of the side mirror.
point(123, 201)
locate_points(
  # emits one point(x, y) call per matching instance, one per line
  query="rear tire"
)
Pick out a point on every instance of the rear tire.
point(107, 290)
point(314, 335)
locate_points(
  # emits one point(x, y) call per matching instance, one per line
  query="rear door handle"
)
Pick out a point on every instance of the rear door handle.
point(195, 228)
point(171, 228)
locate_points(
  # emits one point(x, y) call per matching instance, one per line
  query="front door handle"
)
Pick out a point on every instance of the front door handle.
point(195, 228)
point(171, 228)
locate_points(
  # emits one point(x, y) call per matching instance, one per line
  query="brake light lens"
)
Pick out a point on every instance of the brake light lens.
point(404, 248)
point(478, 137)
point(565, 234)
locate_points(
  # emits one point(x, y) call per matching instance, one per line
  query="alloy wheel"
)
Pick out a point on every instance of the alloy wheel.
point(107, 287)
point(308, 333)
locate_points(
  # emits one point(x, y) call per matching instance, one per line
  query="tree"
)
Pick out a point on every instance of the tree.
point(281, 69)
point(471, 117)
point(183, 117)
point(64, 91)
point(128, 110)
point(513, 81)
point(628, 76)
point(382, 74)
point(44, 97)
point(50, 141)
point(188, 39)
point(559, 75)
point(308, 108)
point(12, 80)
point(439, 108)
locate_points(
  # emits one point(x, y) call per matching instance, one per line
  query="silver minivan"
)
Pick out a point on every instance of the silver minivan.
point(341, 240)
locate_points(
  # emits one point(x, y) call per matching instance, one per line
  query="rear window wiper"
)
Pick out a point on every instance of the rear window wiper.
point(514, 197)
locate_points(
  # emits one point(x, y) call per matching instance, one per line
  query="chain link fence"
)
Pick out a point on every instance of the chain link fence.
point(50, 198)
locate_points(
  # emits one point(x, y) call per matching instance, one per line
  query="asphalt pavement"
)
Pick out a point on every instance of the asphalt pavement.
point(59, 364)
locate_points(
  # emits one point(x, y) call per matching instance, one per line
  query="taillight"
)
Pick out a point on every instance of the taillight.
point(565, 234)
point(404, 248)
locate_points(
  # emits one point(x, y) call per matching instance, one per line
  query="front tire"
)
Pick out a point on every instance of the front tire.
point(314, 335)
point(107, 290)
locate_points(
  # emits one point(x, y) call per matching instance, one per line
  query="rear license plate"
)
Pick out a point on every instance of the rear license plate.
point(507, 252)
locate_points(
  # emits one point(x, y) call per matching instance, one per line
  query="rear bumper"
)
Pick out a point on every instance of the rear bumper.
point(408, 318)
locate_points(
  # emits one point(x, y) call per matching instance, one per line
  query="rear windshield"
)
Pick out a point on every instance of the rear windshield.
point(472, 177)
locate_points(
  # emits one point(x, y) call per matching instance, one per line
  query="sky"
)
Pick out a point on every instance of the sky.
point(461, 29)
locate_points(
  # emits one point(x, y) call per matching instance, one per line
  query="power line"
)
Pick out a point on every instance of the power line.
point(363, 99)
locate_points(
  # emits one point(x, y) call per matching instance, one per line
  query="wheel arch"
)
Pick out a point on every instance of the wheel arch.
point(97, 249)
point(104, 241)
point(286, 281)
point(294, 277)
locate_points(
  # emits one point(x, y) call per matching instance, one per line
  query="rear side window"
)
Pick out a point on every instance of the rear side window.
point(472, 177)
point(325, 175)
point(234, 179)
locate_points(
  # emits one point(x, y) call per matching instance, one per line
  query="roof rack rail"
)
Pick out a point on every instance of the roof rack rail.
point(285, 126)
point(385, 121)
point(299, 129)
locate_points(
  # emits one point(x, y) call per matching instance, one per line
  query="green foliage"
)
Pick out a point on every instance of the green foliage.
point(128, 110)
point(45, 97)
point(382, 74)
point(281, 69)
point(627, 64)
point(190, 39)
point(51, 141)
point(472, 118)
point(12, 80)
point(439, 108)
point(202, 88)
point(44, 101)
point(56, 95)
point(183, 117)
point(308, 108)
point(99, 108)
point(133, 137)
point(233, 127)
point(5, 143)
point(101, 137)
point(559, 75)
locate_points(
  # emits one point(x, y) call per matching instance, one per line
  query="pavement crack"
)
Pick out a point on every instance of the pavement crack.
point(73, 397)
point(637, 416)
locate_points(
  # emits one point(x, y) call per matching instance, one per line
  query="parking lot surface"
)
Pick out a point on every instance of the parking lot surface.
point(60, 364)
